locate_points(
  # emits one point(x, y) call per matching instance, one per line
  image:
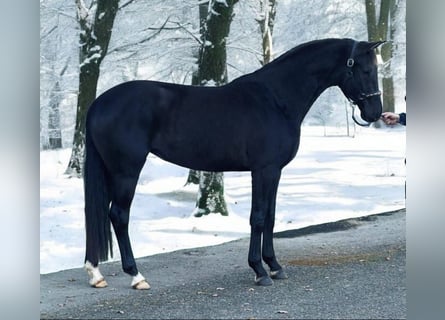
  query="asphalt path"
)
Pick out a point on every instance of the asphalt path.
point(350, 269)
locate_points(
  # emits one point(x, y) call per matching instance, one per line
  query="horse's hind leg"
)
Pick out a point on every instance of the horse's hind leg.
point(97, 280)
point(122, 195)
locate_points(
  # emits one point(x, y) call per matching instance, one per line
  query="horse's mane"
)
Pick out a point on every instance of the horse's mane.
point(299, 48)
point(292, 53)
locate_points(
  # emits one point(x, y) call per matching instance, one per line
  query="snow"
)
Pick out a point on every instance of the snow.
point(331, 178)
point(223, 2)
point(89, 59)
point(213, 12)
point(82, 10)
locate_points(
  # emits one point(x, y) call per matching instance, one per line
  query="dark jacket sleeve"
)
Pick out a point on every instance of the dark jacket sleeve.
point(402, 120)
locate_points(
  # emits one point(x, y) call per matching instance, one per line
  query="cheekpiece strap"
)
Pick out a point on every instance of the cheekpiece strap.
point(350, 62)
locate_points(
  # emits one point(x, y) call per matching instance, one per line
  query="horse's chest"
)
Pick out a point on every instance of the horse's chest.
point(278, 145)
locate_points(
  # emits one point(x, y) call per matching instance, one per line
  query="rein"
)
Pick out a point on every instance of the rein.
point(362, 96)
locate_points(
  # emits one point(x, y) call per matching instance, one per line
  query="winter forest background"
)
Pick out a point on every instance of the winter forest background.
point(160, 39)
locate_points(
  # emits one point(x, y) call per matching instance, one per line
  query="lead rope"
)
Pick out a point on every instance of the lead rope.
point(366, 124)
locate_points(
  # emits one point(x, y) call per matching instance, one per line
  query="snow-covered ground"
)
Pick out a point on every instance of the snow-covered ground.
point(332, 178)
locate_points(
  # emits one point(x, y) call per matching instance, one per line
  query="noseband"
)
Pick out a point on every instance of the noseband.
point(362, 96)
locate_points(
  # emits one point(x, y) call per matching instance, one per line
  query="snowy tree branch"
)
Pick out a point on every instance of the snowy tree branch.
point(48, 33)
point(126, 4)
point(156, 33)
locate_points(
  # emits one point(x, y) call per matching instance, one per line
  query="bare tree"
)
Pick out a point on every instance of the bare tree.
point(215, 19)
point(96, 24)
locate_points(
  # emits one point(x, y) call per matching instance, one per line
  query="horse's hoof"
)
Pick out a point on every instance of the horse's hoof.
point(100, 284)
point(96, 278)
point(263, 281)
point(141, 285)
point(278, 275)
point(139, 282)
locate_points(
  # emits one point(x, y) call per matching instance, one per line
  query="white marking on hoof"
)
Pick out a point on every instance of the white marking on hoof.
point(96, 278)
point(139, 282)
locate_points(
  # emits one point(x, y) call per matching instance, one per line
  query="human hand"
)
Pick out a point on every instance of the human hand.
point(390, 118)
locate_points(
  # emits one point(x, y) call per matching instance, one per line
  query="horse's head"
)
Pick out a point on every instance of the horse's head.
point(360, 83)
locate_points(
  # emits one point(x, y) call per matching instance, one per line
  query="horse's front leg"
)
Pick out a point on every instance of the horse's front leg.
point(268, 252)
point(264, 189)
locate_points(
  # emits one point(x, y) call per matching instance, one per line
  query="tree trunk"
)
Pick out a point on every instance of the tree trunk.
point(94, 39)
point(379, 31)
point(212, 60)
point(88, 78)
point(215, 18)
point(266, 21)
point(371, 20)
point(211, 194)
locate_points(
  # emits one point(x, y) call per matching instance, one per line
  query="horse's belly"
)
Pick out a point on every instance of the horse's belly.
point(204, 154)
point(205, 163)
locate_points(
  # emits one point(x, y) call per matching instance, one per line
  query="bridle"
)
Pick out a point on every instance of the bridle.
point(362, 95)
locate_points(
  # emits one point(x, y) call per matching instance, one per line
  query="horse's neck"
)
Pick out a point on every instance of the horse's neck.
point(298, 81)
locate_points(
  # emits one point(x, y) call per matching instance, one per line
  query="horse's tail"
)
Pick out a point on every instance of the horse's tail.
point(97, 205)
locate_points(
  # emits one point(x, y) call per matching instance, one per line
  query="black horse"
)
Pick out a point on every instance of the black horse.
point(251, 124)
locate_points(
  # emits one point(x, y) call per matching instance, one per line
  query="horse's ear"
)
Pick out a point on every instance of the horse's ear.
point(374, 44)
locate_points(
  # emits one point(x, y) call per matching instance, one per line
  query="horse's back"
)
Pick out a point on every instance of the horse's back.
point(235, 127)
point(228, 128)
